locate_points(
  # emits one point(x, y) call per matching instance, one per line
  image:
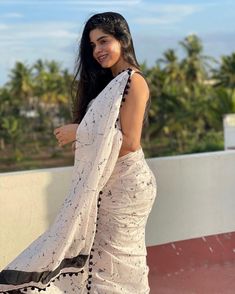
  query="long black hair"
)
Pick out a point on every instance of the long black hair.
point(90, 78)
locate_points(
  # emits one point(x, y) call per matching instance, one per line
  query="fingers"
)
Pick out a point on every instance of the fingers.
point(60, 140)
point(59, 132)
point(56, 131)
point(59, 137)
point(62, 143)
point(63, 135)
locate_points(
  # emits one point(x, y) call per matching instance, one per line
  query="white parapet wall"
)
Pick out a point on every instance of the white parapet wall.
point(196, 197)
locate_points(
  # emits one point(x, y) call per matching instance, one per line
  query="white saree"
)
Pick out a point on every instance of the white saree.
point(96, 243)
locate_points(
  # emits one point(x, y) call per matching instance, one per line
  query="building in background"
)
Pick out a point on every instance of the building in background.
point(229, 131)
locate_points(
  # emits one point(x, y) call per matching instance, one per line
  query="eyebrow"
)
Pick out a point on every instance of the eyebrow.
point(100, 38)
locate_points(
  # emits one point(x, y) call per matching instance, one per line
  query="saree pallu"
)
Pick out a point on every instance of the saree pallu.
point(96, 243)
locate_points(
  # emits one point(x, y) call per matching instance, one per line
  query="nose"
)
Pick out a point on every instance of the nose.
point(97, 50)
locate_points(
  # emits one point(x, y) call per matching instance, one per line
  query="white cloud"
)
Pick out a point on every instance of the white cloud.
point(48, 33)
point(3, 26)
point(75, 2)
point(167, 13)
point(36, 30)
point(11, 15)
point(173, 8)
point(28, 42)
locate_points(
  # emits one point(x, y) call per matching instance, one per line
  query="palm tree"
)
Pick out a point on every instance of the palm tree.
point(195, 64)
point(226, 73)
point(40, 78)
point(179, 112)
point(20, 83)
point(171, 67)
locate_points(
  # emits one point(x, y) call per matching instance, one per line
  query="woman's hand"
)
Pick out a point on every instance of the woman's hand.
point(66, 134)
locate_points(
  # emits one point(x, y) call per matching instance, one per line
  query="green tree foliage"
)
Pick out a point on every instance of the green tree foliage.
point(187, 110)
point(189, 97)
point(33, 102)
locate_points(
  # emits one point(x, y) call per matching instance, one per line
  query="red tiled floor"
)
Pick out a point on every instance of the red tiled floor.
point(198, 266)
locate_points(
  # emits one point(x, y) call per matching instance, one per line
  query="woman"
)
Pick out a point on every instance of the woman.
point(97, 242)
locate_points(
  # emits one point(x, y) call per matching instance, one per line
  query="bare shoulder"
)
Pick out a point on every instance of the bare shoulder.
point(138, 88)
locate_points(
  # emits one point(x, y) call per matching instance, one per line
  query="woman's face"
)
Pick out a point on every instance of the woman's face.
point(106, 48)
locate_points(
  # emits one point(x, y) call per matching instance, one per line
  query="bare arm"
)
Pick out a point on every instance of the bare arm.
point(132, 114)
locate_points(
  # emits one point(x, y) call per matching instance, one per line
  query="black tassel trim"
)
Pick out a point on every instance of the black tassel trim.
point(125, 92)
point(127, 87)
point(129, 71)
point(89, 282)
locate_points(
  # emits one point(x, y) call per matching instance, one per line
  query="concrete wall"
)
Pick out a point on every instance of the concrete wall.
point(196, 197)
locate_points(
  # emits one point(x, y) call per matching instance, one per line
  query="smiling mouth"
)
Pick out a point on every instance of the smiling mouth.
point(102, 58)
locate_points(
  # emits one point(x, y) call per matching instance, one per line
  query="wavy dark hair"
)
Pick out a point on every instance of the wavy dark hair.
point(90, 78)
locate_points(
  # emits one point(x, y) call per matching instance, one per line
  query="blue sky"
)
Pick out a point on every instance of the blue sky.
point(51, 29)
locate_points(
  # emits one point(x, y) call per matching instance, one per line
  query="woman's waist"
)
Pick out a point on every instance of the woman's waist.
point(131, 164)
point(132, 155)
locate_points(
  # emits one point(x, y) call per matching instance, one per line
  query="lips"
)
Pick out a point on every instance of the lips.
point(101, 58)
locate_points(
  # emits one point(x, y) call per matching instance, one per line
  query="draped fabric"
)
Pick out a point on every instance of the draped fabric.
point(118, 261)
point(60, 254)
